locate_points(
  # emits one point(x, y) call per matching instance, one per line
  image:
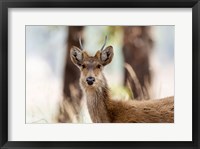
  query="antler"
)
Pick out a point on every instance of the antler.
point(81, 46)
point(104, 43)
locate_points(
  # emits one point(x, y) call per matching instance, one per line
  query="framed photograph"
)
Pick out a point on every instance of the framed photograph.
point(103, 74)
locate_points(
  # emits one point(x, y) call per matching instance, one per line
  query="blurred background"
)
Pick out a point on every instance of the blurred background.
point(142, 68)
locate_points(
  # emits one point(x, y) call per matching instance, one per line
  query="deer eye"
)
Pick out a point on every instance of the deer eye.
point(99, 66)
point(83, 66)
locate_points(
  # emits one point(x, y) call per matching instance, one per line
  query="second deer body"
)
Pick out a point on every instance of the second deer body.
point(101, 107)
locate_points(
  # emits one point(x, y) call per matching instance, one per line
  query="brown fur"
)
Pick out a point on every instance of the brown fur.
point(102, 108)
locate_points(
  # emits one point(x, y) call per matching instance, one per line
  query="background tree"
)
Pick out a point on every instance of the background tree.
point(71, 74)
point(70, 107)
point(137, 46)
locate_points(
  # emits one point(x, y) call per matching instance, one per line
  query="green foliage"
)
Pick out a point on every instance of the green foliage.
point(120, 92)
point(114, 34)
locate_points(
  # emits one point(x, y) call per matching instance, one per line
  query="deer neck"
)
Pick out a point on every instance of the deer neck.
point(97, 104)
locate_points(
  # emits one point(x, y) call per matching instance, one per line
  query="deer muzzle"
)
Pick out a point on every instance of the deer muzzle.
point(90, 80)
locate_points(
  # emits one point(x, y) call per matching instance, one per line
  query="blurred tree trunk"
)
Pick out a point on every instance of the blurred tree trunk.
point(71, 74)
point(70, 106)
point(136, 49)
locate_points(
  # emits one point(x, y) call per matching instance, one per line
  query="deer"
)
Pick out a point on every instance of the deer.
point(101, 107)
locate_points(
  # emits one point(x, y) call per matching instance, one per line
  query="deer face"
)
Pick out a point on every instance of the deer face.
point(91, 66)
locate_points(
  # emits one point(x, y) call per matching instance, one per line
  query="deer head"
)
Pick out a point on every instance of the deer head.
point(91, 66)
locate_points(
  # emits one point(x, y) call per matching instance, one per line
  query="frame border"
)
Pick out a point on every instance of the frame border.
point(6, 4)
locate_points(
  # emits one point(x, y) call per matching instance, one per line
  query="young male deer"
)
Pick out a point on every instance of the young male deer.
point(101, 107)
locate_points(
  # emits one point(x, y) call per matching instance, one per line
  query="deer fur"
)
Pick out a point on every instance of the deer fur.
point(102, 108)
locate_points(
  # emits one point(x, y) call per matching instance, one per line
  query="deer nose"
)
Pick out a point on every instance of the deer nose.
point(90, 80)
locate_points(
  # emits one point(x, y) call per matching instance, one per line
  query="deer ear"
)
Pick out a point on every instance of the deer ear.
point(106, 55)
point(76, 55)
